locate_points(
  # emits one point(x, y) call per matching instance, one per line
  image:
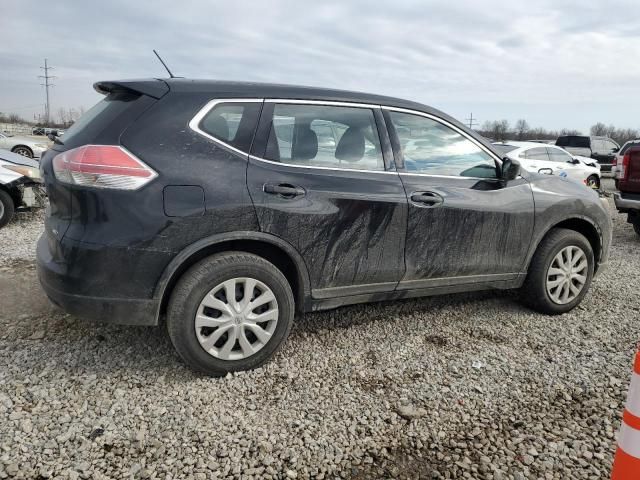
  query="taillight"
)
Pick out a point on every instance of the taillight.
point(624, 166)
point(102, 166)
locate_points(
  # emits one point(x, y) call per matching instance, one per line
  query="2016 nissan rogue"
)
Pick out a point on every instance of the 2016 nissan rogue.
point(230, 207)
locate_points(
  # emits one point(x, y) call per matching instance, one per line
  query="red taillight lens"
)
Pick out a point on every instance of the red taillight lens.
point(102, 166)
point(624, 166)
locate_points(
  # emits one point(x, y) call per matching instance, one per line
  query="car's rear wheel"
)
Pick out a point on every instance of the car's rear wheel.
point(636, 225)
point(230, 312)
point(560, 272)
point(593, 181)
point(7, 208)
point(24, 151)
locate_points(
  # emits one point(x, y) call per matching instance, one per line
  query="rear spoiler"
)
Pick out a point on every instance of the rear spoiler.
point(155, 88)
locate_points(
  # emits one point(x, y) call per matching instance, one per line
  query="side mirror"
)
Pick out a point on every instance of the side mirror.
point(510, 169)
point(575, 161)
point(615, 149)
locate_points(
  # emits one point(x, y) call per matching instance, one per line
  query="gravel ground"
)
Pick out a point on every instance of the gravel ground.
point(461, 386)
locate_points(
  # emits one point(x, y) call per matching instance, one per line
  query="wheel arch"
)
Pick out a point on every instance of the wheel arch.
point(13, 149)
point(269, 247)
point(582, 225)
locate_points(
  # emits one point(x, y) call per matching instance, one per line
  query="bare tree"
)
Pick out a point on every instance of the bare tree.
point(522, 127)
point(599, 129)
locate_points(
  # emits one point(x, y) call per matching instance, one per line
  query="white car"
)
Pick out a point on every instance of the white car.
point(25, 146)
point(553, 160)
point(20, 185)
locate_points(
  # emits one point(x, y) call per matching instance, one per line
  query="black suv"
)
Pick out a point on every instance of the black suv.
point(601, 149)
point(229, 207)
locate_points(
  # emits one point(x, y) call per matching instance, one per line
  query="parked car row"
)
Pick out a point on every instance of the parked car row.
point(229, 207)
point(601, 149)
point(552, 160)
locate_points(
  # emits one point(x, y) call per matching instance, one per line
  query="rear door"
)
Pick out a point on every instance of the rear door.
point(321, 176)
point(464, 225)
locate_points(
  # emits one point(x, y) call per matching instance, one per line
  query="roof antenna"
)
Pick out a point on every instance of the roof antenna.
point(164, 64)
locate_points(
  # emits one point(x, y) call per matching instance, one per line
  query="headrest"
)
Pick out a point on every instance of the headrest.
point(305, 145)
point(351, 145)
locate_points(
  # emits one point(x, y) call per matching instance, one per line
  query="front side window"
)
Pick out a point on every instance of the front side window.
point(232, 123)
point(557, 155)
point(324, 136)
point(429, 147)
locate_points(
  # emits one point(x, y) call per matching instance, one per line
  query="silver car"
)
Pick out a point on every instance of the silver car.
point(25, 146)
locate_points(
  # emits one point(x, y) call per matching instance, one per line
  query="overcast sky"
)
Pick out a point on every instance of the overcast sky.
point(556, 63)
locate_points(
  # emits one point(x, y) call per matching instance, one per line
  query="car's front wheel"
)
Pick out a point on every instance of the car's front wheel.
point(560, 272)
point(7, 208)
point(593, 181)
point(24, 151)
point(230, 312)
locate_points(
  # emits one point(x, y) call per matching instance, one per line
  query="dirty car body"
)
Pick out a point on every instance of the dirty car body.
point(358, 212)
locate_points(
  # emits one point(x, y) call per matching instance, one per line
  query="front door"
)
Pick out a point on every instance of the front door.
point(321, 178)
point(464, 224)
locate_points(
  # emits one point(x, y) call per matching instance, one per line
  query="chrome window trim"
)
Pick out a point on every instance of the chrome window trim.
point(448, 124)
point(194, 124)
point(315, 167)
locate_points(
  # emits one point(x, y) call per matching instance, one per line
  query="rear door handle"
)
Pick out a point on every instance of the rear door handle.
point(285, 190)
point(427, 199)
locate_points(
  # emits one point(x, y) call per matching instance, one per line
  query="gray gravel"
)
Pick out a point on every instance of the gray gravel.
point(464, 386)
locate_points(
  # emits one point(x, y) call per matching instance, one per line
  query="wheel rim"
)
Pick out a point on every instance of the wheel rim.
point(593, 182)
point(236, 319)
point(23, 151)
point(567, 275)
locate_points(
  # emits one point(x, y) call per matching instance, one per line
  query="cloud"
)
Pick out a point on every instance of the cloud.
point(575, 62)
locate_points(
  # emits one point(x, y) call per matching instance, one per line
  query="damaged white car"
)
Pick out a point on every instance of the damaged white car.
point(20, 185)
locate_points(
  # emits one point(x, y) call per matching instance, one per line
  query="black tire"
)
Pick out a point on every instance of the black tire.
point(593, 181)
point(534, 292)
point(636, 225)
point(197, 282)
point(7, 208)
point(23, 150)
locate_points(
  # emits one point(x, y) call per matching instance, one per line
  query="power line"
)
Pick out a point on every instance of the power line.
point(46, 85)
point(471, 121)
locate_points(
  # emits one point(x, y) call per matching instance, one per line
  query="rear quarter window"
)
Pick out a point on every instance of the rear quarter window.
point(233, 123)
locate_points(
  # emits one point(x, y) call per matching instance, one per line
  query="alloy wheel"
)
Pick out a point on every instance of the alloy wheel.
point(25, 152)
point(236, 318)
point(567, 275)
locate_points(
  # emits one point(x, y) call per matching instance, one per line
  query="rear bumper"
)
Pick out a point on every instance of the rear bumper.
point(624, 203)
point(87, 289)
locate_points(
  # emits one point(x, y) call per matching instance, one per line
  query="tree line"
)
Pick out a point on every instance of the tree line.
point(501, 130)
point(64, 118)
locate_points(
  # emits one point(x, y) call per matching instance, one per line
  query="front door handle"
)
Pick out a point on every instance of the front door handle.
point(427, 199)
point(285, 190)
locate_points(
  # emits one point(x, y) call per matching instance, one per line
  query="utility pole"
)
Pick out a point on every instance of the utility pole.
point(46, 85)
point(471, 121)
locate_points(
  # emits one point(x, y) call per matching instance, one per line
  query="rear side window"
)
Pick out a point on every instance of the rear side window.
point(628, 145)
point(538, 153)
point(324, 136)
point(232, 123)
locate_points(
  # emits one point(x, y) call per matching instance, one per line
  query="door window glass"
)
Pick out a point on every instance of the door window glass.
point(232, 123)
point(538, 153)
point(325, 136)
point(430, 147)
point(557, 155)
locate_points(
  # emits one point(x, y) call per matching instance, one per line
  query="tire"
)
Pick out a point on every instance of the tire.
point(593, 181)
point(535, 292)
point(636, 225)
point(22, 150)
point(194, 289)
point(7, 208)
